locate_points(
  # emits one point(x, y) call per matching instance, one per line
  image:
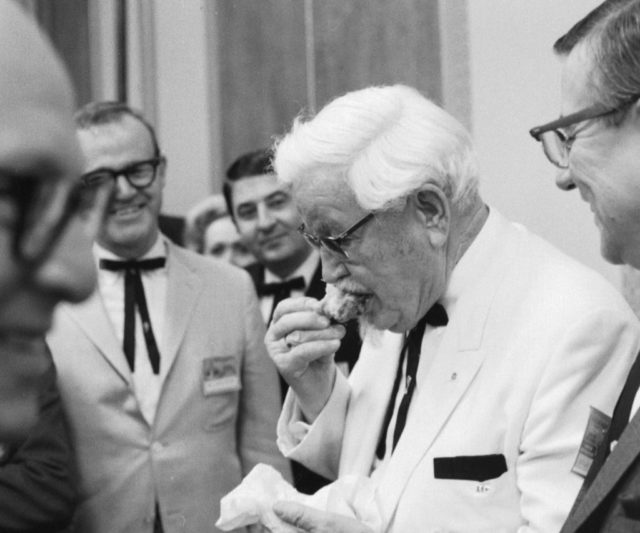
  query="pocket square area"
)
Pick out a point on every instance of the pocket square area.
point(470, 467)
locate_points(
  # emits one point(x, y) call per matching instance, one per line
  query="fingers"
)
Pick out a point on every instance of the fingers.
point(297, 515)
point(297, 360)
point(292, 305)
point(302, 342)
point(297, 337)
point(310, 520)
point(296, 321)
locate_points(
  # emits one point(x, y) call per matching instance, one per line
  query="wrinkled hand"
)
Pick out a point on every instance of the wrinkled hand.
point(301, 342)
point(310, 520)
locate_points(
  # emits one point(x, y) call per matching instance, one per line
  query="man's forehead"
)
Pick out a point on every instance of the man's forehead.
point(256, 188)
point(116, 139)
point(318, 196)
point(30, 69)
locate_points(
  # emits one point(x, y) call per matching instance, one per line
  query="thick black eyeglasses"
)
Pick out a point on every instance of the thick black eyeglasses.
point(38, 211)
point(556, 144)
point(139, 175)
point(334, 244)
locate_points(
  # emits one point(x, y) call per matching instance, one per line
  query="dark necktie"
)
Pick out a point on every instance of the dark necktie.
point(280, 291)
point(436, 316)
point(134, 296)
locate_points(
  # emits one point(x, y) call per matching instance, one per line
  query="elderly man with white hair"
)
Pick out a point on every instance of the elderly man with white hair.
point(491, 361)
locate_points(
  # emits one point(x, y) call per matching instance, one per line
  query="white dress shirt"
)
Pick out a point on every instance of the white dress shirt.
point(147, 385)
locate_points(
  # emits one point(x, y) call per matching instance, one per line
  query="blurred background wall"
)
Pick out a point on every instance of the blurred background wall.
point(220, 77)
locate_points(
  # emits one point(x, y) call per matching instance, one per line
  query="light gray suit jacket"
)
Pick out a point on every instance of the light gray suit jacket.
point(206, 434)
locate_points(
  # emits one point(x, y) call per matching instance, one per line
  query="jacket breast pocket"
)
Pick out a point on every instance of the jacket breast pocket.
point(470, 467)
point(221, 388)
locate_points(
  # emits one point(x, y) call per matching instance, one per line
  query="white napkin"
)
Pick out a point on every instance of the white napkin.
point(251, 502)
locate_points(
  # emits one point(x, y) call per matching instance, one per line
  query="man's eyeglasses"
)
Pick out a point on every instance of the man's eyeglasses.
point(557, 144)
point(38, 210)
point(335, 244)
point(139, 175)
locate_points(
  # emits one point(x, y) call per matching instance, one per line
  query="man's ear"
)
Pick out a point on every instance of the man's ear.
point(433, 209)
point(161, 170)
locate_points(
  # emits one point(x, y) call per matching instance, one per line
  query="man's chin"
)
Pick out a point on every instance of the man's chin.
point(370, 330)
point(612, 253)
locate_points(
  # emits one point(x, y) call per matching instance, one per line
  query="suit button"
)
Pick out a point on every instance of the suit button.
point(157, 447)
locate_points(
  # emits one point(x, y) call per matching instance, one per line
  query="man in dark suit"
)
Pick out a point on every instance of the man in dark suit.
point(595, 146)
point(287, 265)
point(173, 227)
point(37, 474)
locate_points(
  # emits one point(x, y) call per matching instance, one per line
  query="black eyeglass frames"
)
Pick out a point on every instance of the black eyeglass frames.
point(335, 243)
point(139, 175)
point(556, 144)
point(37, 211)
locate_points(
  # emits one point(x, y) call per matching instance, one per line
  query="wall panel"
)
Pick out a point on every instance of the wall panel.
point(262, 76)
point(366, 42)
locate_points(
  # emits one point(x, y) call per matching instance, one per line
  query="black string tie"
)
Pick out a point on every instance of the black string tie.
point(134, 296)
point(435, 317)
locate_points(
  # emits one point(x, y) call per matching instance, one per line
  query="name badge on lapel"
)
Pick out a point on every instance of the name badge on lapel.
point(220, 374)
point(594, 434)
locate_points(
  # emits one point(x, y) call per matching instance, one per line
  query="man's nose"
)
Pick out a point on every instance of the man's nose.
point(564, 181)
point(265, 217)
point(333, 268)
point(123, 188)
point(69, 272)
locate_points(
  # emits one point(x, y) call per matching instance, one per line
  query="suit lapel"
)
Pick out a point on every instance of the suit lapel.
point(91, 317)
point(451, 373)
point(183, 286)
point(624, 454)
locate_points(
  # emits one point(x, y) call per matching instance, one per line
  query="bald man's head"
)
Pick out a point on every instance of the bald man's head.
point(45, 235)
point(28, 61)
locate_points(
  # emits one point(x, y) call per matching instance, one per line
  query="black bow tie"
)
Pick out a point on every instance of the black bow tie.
point(134, 297)
point(267, 289)
point(436, 317)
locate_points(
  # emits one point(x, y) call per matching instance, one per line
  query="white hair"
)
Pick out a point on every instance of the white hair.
point(385, 142)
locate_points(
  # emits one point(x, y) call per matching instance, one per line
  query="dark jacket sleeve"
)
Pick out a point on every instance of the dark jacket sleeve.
point(37, 477)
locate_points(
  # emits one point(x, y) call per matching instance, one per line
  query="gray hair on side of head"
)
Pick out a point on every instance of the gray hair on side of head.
point(386, 143)
point(610, 36)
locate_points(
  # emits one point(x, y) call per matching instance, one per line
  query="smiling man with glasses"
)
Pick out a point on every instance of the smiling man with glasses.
point(596, 147)
point(484, 350)
point(163, 371)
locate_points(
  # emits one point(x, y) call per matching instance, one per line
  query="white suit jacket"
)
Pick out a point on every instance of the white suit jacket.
point(536, 342)
point(216, 416)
